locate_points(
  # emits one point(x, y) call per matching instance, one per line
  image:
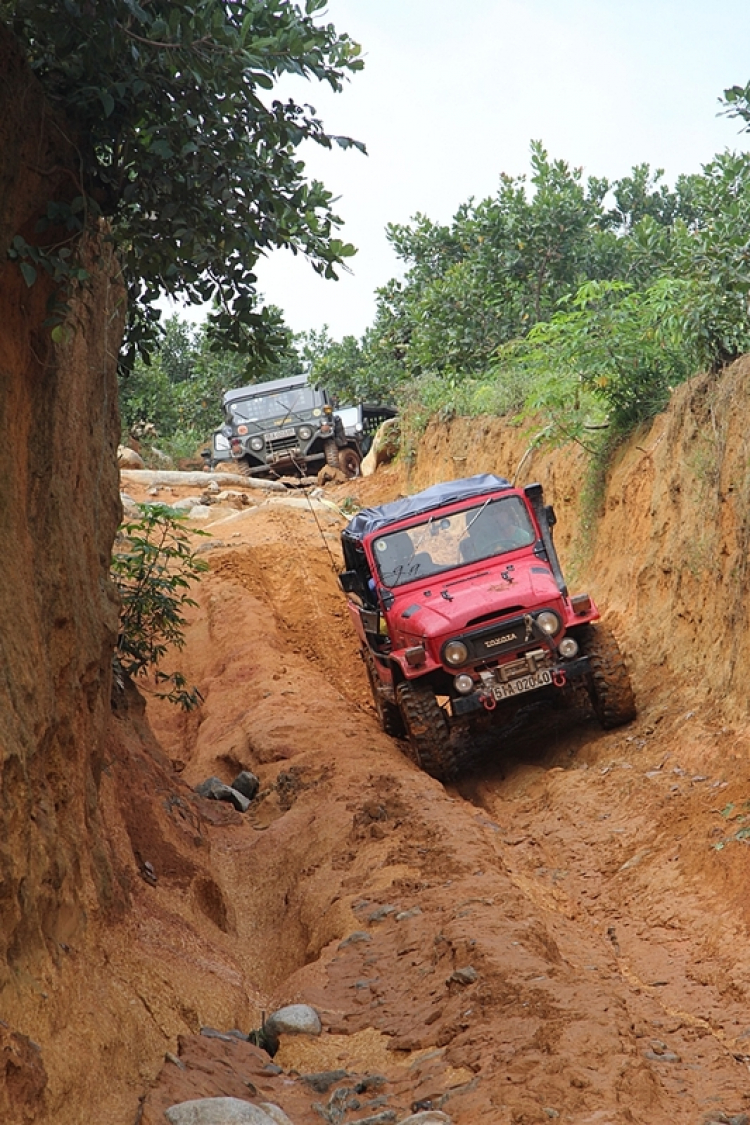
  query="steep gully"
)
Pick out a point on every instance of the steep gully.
point(594, 883)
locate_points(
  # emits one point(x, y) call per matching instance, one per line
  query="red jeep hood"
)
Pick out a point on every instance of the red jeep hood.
point(474, 594)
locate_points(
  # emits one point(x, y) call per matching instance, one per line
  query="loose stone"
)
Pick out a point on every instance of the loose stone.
point(467, 975)
point(247, 784)
point(428, 1117)
point(323, 1081)
point(358, 935)
point(294, 1019)
point(275, 1113)
point(217, 1111)
point(381, 913)
point(215, 790)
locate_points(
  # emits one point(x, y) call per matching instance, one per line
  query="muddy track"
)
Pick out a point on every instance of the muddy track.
point(554, 936)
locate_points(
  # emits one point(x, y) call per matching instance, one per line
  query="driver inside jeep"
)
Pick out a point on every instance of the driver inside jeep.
point(496, 528)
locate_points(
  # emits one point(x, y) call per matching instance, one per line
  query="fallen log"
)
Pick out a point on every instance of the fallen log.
point(173, 478)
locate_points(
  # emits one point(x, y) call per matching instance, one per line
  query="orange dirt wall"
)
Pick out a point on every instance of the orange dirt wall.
point(59, 510)
point(665, 549)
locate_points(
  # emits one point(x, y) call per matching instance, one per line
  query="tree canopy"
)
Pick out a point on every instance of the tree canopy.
point(577, 298)
point(184, 148)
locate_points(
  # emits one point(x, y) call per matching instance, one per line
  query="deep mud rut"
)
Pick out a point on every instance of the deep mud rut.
point(561, 935)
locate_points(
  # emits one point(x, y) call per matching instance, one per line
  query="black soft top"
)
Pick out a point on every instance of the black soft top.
point(373, 519)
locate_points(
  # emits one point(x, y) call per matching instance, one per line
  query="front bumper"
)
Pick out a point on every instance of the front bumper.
point(561, 674)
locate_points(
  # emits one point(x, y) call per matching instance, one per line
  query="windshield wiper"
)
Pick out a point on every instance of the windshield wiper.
point(474, 519)
point(290, 409)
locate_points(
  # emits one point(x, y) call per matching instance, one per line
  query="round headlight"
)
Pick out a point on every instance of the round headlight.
point(304, 433)
point(568, 647)
point(548, 622)
point(455, 653)
point(464, 684)
point(257, 443)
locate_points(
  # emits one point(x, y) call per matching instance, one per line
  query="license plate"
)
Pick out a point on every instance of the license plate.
point(522, 684)
point(280, 435)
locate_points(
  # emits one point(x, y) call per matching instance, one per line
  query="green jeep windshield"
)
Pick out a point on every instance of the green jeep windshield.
point(445, 542)
point(278, 407)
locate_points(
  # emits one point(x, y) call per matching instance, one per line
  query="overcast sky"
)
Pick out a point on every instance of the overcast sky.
point(452, 94)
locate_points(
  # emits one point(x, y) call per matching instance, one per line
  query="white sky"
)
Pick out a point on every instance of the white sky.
point(452, 94)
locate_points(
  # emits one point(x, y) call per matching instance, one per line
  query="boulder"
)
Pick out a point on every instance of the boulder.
point(329, 474)
point(247, 784)
point(385, 446)
point(216, 790)
point(294, 1019)
point(276, 1113)
point(128, 458)
point(218, 1111)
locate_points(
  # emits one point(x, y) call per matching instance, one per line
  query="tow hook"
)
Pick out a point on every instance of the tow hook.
point(488, 702)
point(559, 679)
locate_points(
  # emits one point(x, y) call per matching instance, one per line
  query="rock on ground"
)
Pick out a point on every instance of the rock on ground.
point(427, 1117)
point(215, 790)
point(128, 458)
point(384, 448)
point(221, 1111)
point(295, 1019)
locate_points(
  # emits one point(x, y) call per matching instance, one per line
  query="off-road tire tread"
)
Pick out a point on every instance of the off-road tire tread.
point(386, 709)
point(609, 684)
point(349, 462)
point(331, 452)
point(427, 731)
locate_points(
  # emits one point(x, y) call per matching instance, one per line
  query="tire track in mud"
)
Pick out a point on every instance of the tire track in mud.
point(291, 564)
point(647, 839)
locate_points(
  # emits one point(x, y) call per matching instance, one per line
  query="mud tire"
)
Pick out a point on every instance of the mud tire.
point(349, 462)
point(608, 683)
point(427, 731)
point(387, 710)
point(331, 453)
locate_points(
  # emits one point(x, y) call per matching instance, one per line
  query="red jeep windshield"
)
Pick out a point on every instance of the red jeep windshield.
point(445, 542)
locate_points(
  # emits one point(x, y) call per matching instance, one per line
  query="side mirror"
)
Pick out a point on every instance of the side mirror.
point(549, 512)
point(352, 583)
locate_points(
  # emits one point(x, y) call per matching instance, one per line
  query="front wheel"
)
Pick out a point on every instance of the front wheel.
point(387, 711)
point(349, 461)
point(331, 452)
point(608, 683)
point(427, 731)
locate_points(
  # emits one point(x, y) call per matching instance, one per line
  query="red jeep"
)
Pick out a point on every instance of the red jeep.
point(457, 596)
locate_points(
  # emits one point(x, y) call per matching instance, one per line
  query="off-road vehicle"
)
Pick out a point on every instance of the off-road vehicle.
point(288, 426)
point(458, 599)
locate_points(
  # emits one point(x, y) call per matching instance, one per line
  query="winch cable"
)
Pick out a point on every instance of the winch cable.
point(335, 566)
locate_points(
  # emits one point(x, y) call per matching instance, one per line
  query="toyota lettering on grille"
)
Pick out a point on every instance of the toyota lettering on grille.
point(494, 641)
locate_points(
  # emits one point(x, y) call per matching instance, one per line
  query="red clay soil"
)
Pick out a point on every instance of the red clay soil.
point(593, 884)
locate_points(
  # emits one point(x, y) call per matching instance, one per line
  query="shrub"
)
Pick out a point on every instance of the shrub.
point(153, 574)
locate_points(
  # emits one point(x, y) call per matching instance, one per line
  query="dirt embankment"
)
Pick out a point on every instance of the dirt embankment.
point(59, 511)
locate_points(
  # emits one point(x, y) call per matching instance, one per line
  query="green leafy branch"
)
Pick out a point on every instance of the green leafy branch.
point(153, 575)
point(182, 147)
